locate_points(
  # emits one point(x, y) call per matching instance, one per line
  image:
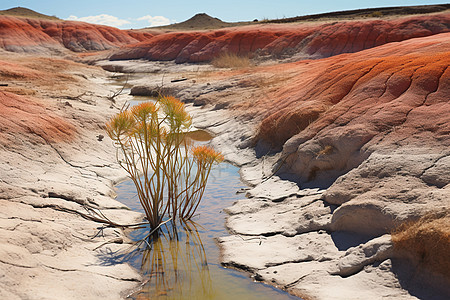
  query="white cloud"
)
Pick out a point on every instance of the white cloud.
point(102, 19)
point(155, 21)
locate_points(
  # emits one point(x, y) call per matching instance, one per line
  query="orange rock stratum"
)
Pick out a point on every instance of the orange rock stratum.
point(40, 36)
point(304, 40)
point(25, 116)
point(378, 89)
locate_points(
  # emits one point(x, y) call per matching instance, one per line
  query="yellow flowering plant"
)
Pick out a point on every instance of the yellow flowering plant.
point(169, 172)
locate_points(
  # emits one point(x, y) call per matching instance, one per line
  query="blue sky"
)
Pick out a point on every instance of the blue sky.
point(145, 13)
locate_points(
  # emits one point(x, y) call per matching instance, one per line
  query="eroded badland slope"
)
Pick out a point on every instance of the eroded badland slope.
point(52, 165)
point(356, 114)
point(305, 40)
point(375, 124)
point(42, 36)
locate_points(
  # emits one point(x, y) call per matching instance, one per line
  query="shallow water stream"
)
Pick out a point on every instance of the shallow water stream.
point(186, 264)
point(189, 268)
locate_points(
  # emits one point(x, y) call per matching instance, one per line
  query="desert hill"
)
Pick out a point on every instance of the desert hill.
point(368, 13)
point(200, 21)
point(45, 36)
point(25, 12)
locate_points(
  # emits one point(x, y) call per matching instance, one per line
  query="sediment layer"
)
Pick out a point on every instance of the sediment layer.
point(42, 36)
point(301, 41)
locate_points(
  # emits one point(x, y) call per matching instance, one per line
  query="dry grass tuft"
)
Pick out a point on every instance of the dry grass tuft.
point(231, 60)
point(428, 240)
point(376, 14)
point(326, 150)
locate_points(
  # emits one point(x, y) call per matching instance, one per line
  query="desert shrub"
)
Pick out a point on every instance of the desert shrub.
point(376, 14)
point(169, 172)
point(231, 60)
point(427, 240)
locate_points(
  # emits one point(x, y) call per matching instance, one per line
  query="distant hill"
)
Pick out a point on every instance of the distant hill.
point(368, 13)
point(201, 21)
point(25, 12)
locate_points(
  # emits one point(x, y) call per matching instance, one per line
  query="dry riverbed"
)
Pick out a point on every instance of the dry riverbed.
point(279, 233)
point(292, 237)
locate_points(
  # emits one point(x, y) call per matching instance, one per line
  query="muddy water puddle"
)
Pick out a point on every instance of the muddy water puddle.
point(183, 261)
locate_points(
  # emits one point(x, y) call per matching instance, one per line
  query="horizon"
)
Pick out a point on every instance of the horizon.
point(140, 14)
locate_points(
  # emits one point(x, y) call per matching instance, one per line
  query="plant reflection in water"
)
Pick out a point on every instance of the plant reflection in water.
point(174, 264)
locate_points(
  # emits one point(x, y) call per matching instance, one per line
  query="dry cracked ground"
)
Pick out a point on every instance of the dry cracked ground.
point(342, 133)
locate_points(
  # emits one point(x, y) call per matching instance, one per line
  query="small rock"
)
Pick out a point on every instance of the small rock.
point(356, 258)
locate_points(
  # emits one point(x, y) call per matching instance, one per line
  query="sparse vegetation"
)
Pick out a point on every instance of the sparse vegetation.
point(376, 14)
point(427, 240)
point(231, 60)
point(328, 149)
point(169, 172)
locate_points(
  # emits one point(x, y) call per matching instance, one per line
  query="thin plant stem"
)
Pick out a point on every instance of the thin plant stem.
point(169, 173)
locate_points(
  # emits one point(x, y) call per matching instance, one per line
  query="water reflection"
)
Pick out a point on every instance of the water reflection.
point(174, 262)
point(205, 278)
